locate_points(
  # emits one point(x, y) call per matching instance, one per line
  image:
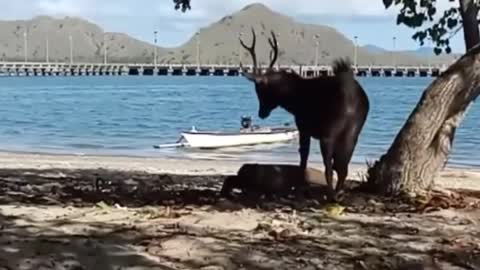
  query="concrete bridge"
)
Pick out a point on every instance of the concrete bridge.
point(134, 69)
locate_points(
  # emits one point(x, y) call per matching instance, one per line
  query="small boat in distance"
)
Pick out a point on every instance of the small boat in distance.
point(247, 135)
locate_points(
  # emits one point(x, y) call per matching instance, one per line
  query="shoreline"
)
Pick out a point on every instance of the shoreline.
point(449, 177)
point(201, 161)
point(36, 160)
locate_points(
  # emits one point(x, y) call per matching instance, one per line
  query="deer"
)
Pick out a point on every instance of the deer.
point(330, 109)
point(256, 180)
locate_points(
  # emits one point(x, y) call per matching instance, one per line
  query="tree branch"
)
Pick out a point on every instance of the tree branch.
point(416, 13)
point(183, 5)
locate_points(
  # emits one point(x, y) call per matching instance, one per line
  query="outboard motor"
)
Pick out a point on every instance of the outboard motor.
point(246, 122)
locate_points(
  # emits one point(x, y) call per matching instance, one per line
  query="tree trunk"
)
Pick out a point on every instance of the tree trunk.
point(469, 12)
point(422, 146)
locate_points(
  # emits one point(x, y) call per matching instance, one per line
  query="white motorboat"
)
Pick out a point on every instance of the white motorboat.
point(248, 135)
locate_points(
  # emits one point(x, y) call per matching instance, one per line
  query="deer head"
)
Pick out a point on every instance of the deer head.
point(268, 84)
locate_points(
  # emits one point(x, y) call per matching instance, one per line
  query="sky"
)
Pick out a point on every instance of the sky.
point(366, 19)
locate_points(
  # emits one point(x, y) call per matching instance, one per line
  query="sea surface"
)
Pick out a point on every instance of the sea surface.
point(128, 115)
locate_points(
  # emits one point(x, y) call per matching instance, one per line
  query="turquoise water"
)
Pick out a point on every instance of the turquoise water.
point(127, 115)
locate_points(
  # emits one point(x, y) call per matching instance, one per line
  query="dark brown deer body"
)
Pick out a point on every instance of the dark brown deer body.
point(332, 109)
point(269, 180)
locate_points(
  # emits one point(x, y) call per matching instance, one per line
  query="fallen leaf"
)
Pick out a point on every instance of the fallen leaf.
point(103, 205)
point(334, 210)
point(263, 226)
point(120, 207)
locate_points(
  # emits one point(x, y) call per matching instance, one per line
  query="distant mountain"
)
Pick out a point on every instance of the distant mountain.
point(374, 49)
point(218, 42)
point(87, 40)
point(422, 53)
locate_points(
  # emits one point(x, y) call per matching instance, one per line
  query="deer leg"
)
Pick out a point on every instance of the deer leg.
point(340, 165)
point(228, 184)
point(253, 196)
point(326, 147)
point(342, 157)
point(300, 192)
point(304, 149)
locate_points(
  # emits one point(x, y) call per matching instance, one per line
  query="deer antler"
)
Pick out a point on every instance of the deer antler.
point(274, 52)
point(251, 50)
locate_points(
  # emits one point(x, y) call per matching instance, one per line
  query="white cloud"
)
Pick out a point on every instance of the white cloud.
point(202, 9)
point(206, 10)
point(55, 7)
point(344, 8)
point(90, 8)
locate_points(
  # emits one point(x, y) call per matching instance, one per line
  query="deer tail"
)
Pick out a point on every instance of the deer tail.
point(342, 67)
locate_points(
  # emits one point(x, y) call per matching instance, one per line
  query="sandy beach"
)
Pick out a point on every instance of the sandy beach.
point(158, 213)
point(450, 177)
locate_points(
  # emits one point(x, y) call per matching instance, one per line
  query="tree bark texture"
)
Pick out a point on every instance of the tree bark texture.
point(469, 12)
point(422, 146)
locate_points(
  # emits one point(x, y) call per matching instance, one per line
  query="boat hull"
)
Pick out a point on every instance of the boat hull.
point(218, 140)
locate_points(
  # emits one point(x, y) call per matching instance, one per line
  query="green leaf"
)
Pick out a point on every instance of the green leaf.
point(423, 35)
point(418, 20)
point(451, 23)
point(416, 14)
point(183, 5)
point(387, 3)
point(400, 18)
point(442, 31)
point(420, 36)
point(448, 50)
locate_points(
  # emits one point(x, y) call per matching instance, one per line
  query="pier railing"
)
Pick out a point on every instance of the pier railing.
point(162, 69)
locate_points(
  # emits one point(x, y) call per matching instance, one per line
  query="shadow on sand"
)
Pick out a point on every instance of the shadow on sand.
point(131, 189)
point(366, 241)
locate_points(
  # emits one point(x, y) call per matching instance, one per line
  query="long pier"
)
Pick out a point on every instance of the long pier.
point(135, 69)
